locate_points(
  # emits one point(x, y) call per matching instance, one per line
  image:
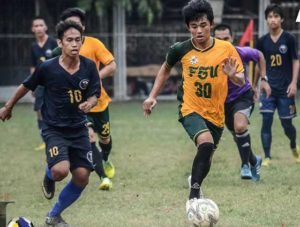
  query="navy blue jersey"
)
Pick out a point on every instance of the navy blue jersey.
point(40, 54)
point(64, 92)
point(279, 59)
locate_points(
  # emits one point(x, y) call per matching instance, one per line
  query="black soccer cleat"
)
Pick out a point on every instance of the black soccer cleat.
point(48, 187)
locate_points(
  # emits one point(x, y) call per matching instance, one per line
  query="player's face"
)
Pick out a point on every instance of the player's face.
point(71, 42)
point(223, 35)
point(39, 27)
point(274, 20)
point(76, 20)
point(200, 30)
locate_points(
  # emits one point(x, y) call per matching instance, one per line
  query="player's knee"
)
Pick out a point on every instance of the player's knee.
point(81, 177)
point(104, 140)
point(92, 136)
point(240, 127)
point(205, 151)
point(59, 173)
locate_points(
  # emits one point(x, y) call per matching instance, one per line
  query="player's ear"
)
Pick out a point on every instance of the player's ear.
point(59, 44)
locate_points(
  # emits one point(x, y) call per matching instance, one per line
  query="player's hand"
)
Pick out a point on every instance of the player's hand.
point(148, 105)
point(5, 113)
point(265, 87)
point(229, 67)
point(85, 106)
point(292, 90)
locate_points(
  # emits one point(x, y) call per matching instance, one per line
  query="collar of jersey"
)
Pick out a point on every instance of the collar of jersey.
point(206, 49)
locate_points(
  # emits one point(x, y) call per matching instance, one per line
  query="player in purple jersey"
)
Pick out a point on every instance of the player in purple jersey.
point(280, 50)
point(239, 105)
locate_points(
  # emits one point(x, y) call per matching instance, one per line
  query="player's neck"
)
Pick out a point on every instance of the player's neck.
point(276, 32)
point(70, 64)
point(203, 46)
point(41, 40)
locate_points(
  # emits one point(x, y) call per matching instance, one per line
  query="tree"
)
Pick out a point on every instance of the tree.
point(146, 8)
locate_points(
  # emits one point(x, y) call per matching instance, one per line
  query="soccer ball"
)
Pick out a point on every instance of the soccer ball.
point(202, 212)
point(20, 222)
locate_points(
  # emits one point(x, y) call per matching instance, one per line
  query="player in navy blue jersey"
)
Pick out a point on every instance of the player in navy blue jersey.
point(280, 51)
point(41, 50)
point(72, 87)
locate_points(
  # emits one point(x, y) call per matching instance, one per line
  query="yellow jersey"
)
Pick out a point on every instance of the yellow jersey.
point(204, 85)
point(95, 50)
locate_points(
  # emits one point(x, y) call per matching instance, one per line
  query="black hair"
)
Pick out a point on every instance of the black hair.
point(223, 27)
point(38, 18)
point(275, 8)
point(73, 12)
point(63, 26)
point(196, 9)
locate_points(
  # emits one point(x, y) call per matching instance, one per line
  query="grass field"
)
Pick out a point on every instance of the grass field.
point(153, 159)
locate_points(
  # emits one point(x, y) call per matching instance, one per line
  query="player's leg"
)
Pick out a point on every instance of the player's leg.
point(267, 108)
point(105, 182)
point(105, 141)
point(80, 157)
point(57, 160)
point(38, 102)
point(286, 112)
point(205, 137)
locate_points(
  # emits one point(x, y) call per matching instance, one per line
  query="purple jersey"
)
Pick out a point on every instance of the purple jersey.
point(247, 54)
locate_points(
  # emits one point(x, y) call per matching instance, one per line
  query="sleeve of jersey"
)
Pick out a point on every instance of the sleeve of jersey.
point(293, 47)
point(32, 81)
point(94, 88)
point(56, 52)
point(239, 64)
point(259, 45)
point(172, 56)
point(102, 53)
point(248, 54)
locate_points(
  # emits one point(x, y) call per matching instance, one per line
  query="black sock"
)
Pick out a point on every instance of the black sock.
point(97, 160)
point(200, 169)
point(290, 131)
point(244, 145)
point(106, 148)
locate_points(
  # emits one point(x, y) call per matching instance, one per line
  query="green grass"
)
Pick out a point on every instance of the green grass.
point(153, 158)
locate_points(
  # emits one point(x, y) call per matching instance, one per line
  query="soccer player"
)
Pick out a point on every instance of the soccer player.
point(280, 51)
point(207, 64)
point(72, 87)
point(41, 49)
point(240, 103)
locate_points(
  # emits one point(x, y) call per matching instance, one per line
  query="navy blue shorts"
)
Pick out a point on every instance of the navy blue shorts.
point(286, 106)
point(68, 144)
point(39, 98)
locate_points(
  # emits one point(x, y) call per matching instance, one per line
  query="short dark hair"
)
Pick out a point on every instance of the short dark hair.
point(73, 12)
point(275, 8)
point(38, 18)
point(196, 9)
point(63, 26)
point(223, 27)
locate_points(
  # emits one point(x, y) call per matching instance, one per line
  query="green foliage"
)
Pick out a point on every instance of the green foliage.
point(146, 8)
point(153, 157)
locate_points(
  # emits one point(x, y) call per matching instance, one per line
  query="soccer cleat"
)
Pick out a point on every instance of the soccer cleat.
point(105, 184)
point(109, 169)
point(296, 153)
point(246, 172)
point(266, 162)
point(201, 195)
point(255, 170)
point(55, 221)
point(48, 187)
point(40, 147)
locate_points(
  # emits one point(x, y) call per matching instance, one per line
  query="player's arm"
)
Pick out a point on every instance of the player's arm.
point(88, 104)
point(260, 72)
point(159, 83)
point(230, 69)
point(108, 70)
point(292, 88)
point(6, 110)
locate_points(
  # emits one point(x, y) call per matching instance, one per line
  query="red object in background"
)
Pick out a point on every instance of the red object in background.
point(247, 37)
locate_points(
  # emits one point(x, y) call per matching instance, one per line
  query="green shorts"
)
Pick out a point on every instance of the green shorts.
point(194, 125)
point(100, 122)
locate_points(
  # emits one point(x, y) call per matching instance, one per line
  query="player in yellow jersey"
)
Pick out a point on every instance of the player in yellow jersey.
point(207, 64)
point(98, 117)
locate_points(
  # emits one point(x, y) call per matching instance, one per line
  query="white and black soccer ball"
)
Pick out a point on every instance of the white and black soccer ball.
point(203, 213)
point(20, 222)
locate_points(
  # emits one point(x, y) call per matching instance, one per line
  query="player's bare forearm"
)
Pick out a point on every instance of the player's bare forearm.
point(262, 64)
point(238, 79)
point(6, 111)
point(88, 104)
point(108, 70)
point(160, 80)
point(296, 66)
